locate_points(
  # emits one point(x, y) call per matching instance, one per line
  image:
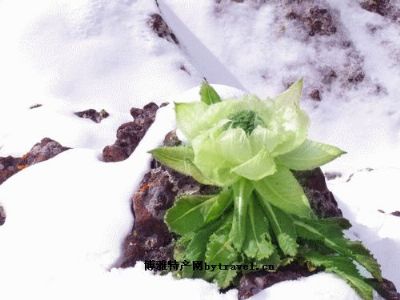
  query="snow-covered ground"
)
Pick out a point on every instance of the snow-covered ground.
point(67, 217)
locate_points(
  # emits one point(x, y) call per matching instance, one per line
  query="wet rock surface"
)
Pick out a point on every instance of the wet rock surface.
point(92, 114)
point(130, 134)
point(44, 150)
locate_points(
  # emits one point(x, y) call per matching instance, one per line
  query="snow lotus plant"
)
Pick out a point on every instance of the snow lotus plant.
point(248, 147)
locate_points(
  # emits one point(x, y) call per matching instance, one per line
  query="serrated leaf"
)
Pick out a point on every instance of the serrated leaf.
point(208, 94)
point(283, 191)
point(179, 158)
point(242, 191)
point(192, 246)
point(180, 254)
point(282, 226)
point(331, 236)
point(221, 251)
point(191, 212)
point(309, 155)
point(345, 268)
point(257, 244)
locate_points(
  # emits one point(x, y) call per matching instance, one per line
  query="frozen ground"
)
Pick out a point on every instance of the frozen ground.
point(67, 217)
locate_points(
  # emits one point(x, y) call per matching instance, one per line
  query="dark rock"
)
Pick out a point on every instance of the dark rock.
point(46, 149)
point(130, 134)
point(328, 76)
point(35, 106)
point(253, 283)
point(356, 77)
point(114, 153)
point(395, 213)
point(93, 115)
point(321, 199)
point(386, 8)
point(332, 175)
point(316, 20)
point(381, 7)
point(161, 28)
point(315, 95)
point(8, 167)
point(150, 238)
point(184, 69)
point(171, 139)
point(2, 216)
point(319, 21)
point(386, 289)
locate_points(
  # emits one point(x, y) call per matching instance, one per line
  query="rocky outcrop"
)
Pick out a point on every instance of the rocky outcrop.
point(130, 134)
point(44, 150)
point(92, 114)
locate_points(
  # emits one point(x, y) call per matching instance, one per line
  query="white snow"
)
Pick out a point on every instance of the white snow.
point(67, 217)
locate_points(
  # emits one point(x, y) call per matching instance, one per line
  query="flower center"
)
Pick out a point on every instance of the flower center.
point(246, 119)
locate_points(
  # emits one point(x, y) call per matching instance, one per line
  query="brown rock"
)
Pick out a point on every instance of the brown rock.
point(130, 134)
point(396, 213)
point(44, 150)
point(161, 28)
point(93, 115)
point(2, 216)
point(321, 199)
point(8, 167)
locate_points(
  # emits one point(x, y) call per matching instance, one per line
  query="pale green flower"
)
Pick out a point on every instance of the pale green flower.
point(242, 137)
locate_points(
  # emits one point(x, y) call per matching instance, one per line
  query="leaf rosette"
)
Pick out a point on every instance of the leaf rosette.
point(249, 147)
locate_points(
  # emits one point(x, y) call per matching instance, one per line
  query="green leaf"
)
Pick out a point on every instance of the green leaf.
point(282, 226)
point(208, 94)
point(257, 244)
point(258, 167)
point(192, 247)
point(291, 96)
point(242, 191)
point(309, 155)
point(180, 254)
point(288, 121)
point(179, 158)
point(331, 236)
point(191, 212)
point(212, 161)
point(221, 251)
point(345, 268)
point(282, 190)
point(188, 115)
